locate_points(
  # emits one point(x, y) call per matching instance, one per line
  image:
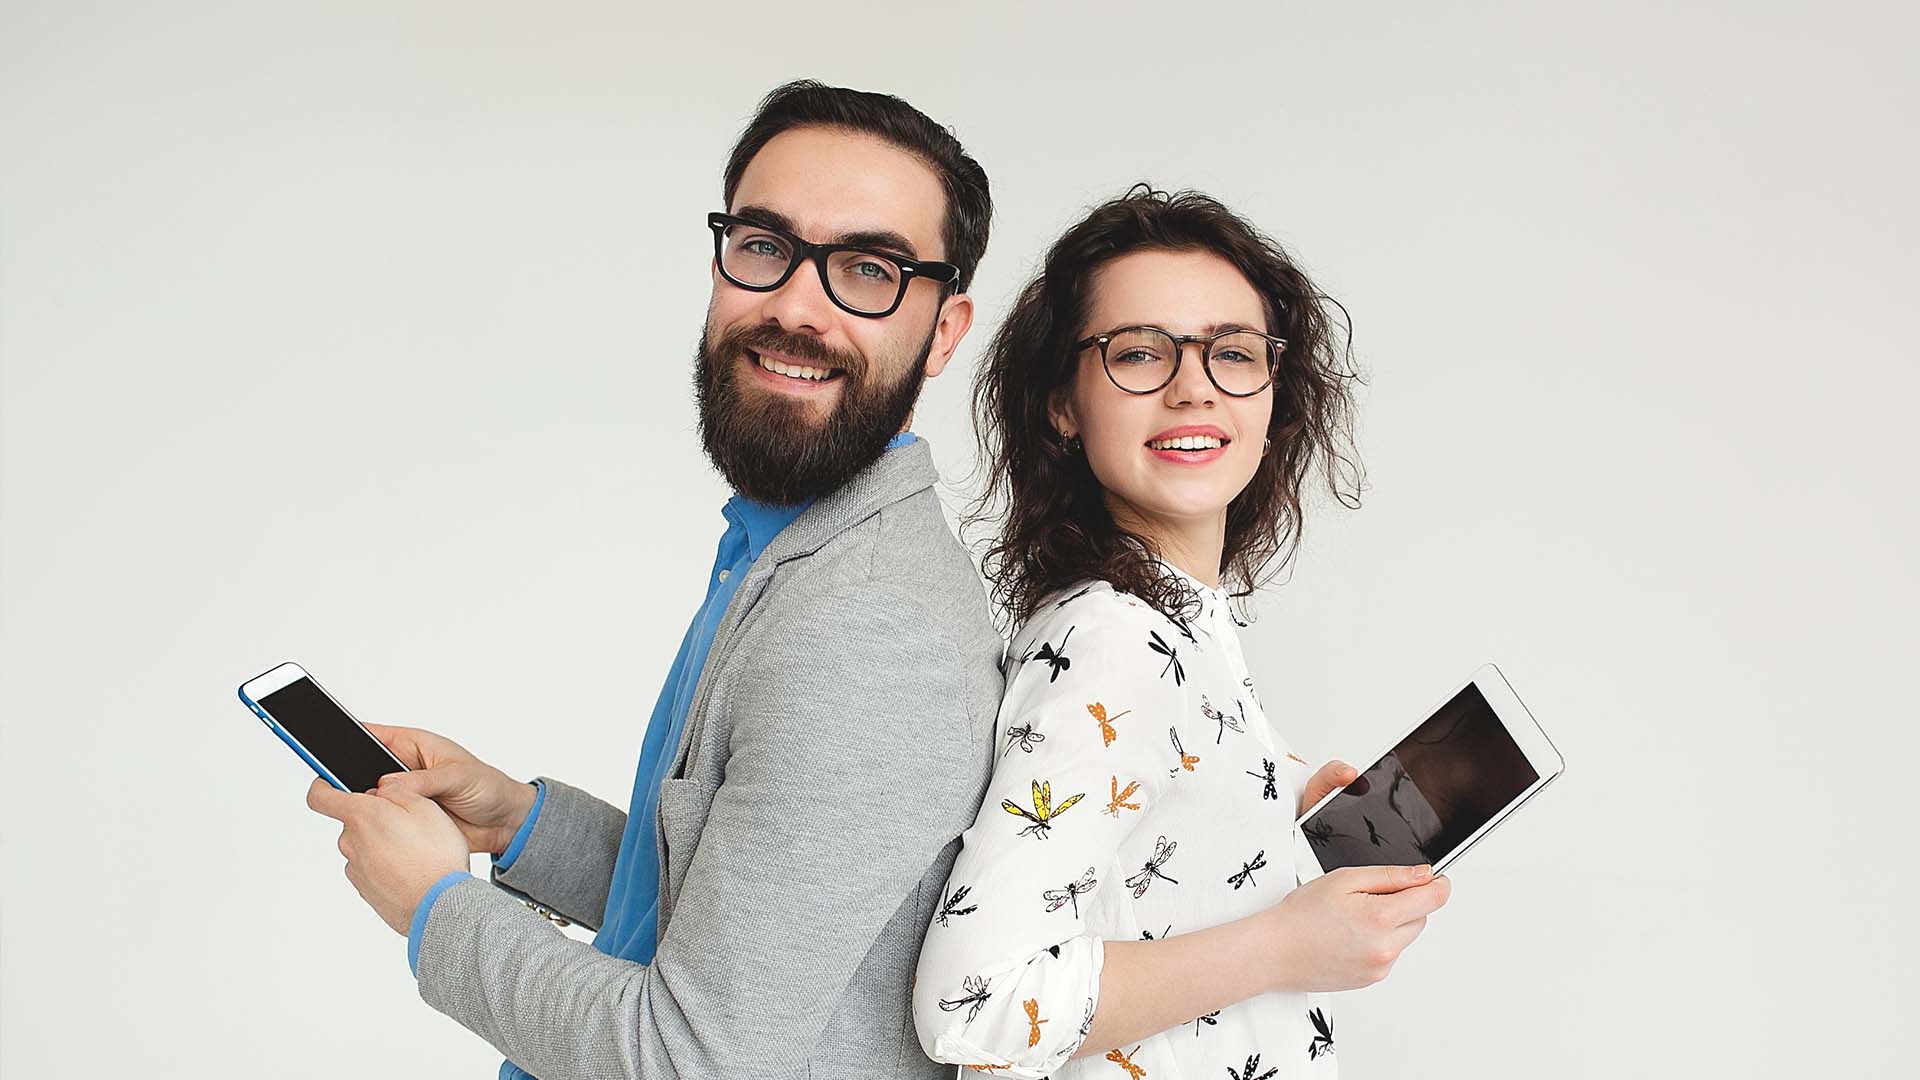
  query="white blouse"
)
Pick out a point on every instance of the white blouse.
point(1139, 793)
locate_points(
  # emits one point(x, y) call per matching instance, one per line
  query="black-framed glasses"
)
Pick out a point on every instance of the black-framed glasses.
point(859, 280)
point(1144, 359)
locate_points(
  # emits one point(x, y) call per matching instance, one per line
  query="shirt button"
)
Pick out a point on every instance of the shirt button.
point(724, 573)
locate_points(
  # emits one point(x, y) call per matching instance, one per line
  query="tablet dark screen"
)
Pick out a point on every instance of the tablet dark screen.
point(1428, 794)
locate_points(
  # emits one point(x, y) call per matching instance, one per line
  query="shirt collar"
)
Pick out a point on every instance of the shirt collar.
point(763, 521)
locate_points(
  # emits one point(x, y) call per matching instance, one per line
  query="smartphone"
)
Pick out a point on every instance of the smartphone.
point(319, 729)
point(1459, 771)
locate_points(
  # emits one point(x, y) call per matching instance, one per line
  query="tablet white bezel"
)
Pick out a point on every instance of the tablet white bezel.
point(1520, 726)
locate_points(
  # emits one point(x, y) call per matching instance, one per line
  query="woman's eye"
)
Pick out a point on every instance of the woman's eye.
point(1136, 356)
point(1232, 356)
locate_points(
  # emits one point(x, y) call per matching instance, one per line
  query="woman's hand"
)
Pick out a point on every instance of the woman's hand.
point(1344, 930)
point(488, 805)
point(1334, 774)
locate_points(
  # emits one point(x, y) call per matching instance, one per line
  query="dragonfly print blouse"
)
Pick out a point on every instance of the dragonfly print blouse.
point(1138, 793)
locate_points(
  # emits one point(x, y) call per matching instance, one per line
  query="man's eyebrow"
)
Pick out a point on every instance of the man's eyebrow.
point(879, 239)
point(760, 215)
point(883, 239)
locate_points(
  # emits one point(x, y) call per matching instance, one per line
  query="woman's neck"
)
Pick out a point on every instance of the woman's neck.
point(1191, 545)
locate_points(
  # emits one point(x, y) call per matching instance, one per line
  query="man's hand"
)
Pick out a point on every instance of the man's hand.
point(396, 846)
point(488, 805)
point(1334, 774)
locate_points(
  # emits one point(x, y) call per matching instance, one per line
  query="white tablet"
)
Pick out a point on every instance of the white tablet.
point(1456, 774)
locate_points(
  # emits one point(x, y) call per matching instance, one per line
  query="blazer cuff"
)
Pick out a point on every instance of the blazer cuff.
point(504, 860)
point(418, 929)
point(565, 860)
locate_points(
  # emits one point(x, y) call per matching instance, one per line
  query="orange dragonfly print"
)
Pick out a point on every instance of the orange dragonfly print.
point(1125, 1061)
point(1043, 811)
point(1032, 1005)
point(1119, 801)
point(1107, 733)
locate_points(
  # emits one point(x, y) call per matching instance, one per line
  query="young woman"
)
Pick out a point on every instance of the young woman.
point(1128, 902)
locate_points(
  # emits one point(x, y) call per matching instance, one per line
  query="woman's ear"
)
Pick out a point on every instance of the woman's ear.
point(1060, 414)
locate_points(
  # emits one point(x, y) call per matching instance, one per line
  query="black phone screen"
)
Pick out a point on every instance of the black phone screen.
point(1444, 781)
point(330, 735)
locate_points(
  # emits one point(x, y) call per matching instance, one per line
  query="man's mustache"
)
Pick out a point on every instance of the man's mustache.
point(766, 337)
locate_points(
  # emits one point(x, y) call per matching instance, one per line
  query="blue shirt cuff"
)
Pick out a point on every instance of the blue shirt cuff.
point(519, 840)
point(419, 928)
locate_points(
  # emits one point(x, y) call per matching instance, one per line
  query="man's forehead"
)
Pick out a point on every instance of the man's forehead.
point(827, 184)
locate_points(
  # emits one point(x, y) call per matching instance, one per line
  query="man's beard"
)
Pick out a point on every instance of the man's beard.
point(771, 447)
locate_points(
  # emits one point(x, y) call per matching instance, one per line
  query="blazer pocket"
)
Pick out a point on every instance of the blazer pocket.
point(683, 814)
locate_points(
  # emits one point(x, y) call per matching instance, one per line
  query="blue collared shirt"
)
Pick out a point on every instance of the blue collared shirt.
point(631, 928)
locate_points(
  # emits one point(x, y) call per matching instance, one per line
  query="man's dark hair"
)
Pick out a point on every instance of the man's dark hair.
point(805, 103)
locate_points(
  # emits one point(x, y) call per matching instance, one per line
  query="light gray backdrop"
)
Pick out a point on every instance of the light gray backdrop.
point(358, 334)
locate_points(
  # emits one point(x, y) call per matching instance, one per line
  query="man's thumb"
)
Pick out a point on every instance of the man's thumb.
point(425, 782)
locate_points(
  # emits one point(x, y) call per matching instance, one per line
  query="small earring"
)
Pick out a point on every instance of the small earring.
point(1070, 443)
point(1265, 445)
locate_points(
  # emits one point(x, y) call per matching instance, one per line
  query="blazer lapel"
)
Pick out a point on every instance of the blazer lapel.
point(898, 474)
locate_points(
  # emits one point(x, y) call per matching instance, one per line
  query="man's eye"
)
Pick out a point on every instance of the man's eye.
point(872, 270)
point(763, 247)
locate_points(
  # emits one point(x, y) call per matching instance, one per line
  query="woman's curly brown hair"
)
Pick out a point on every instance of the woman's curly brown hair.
point(1053, 525)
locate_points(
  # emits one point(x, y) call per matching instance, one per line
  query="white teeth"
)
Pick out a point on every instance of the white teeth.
point(793, 371)
point(1188, 442)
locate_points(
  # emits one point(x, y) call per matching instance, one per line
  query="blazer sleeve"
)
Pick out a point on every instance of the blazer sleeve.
point(1009, 975)
point(567, 862)
point(855, 760)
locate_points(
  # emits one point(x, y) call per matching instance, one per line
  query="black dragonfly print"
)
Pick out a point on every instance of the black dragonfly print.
point(1247, 681)
point(1245, 876)
point(1212, 1019)
point(1162, 851)
point(1373, 833)
point(1087, 1024)
point(1270, 791)
point(952, 909)
point(973, 996)
point(1023, 736)
point(1072, 598)
point(1070, 893)
point(1323, 1042)
point(1147, 935)
point(1055, 658)
point(1185, 628)
point(1220, 716)
point(1319, 832)
point(1253, 1070)
point(1159, 644)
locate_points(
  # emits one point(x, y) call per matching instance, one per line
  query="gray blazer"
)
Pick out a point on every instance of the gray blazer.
point(838, 744)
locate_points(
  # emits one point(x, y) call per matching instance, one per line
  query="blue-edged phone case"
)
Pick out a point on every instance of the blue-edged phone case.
point(325, 773)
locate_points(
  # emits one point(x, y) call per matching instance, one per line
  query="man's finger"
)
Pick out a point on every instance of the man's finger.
point(425, 783)
point(401, 741)
point(324, 798)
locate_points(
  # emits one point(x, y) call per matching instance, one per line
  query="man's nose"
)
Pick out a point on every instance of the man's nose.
point(801, 305)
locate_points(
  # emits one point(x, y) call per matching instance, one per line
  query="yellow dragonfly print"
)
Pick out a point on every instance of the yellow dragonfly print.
point(1043, 811)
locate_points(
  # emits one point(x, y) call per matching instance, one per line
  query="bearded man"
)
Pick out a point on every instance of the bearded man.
point(824, 734)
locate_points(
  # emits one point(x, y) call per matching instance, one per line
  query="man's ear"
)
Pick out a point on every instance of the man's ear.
point(956, 317)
